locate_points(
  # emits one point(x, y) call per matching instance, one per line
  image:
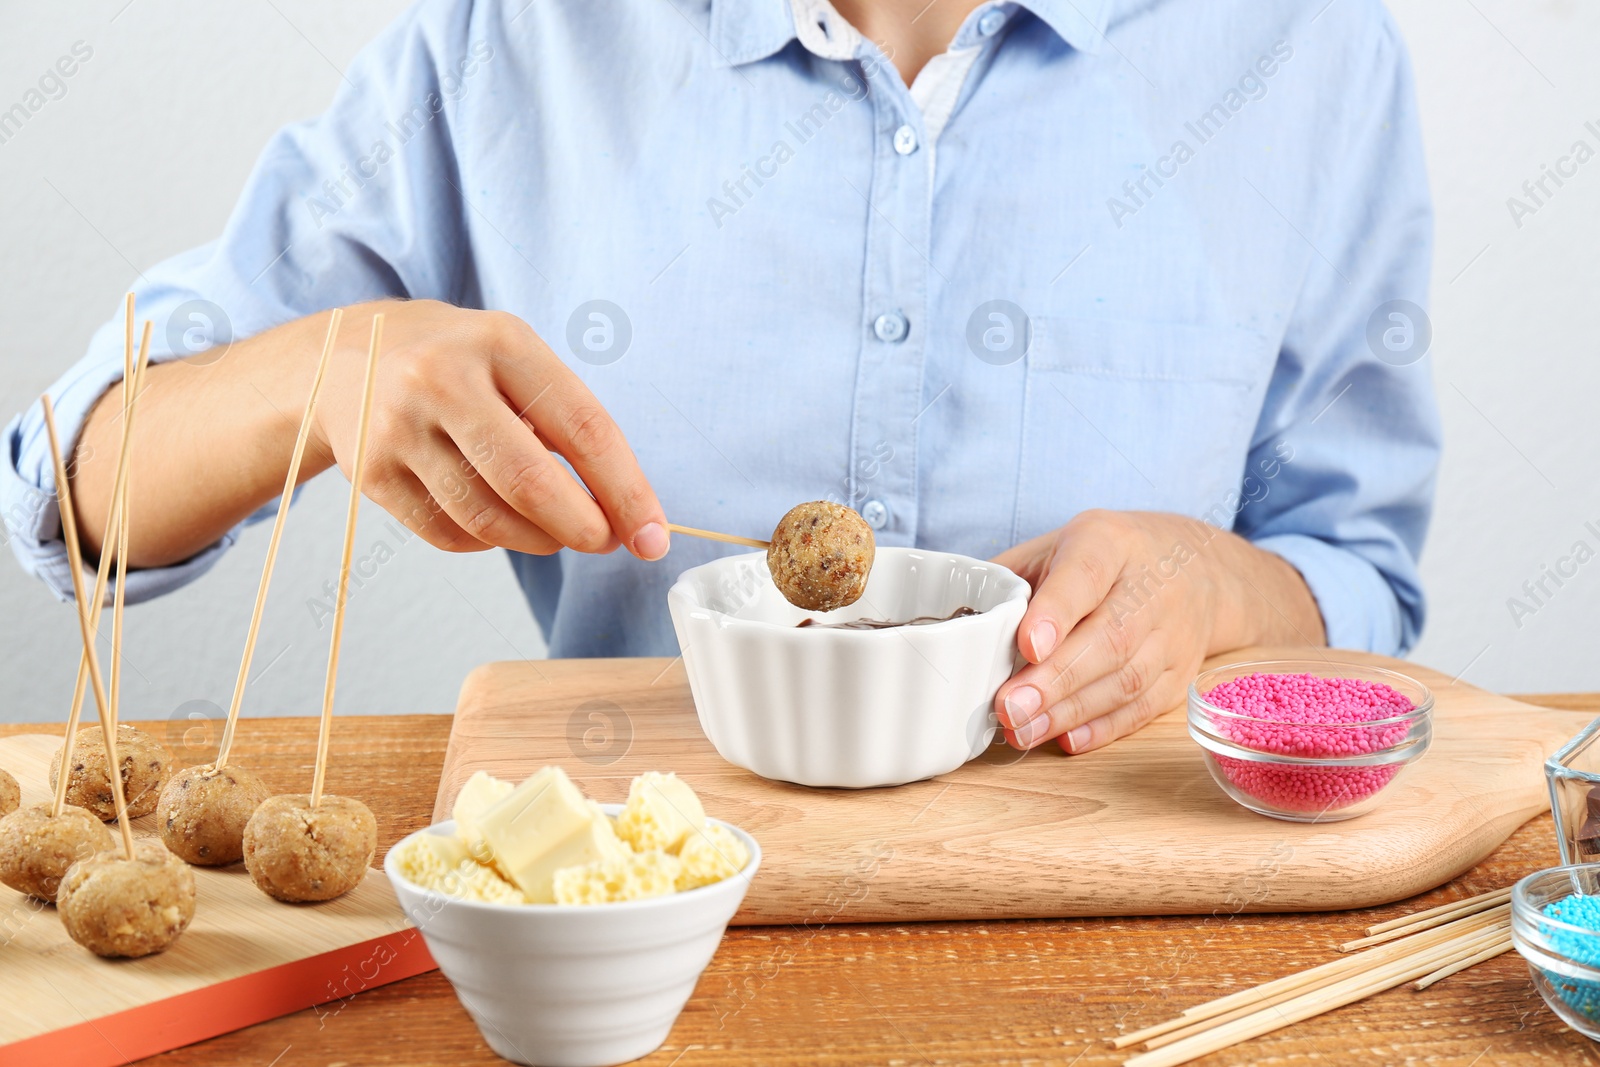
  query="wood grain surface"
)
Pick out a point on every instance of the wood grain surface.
point(1042, 991)
point(1132, 829)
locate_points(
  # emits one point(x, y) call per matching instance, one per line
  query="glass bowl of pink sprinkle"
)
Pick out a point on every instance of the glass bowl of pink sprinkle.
point(1308, 740)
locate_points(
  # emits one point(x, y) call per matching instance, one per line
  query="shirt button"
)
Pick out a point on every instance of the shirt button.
point(905, 140)
point(890, 327)
point(990, 23)
point(876, 513)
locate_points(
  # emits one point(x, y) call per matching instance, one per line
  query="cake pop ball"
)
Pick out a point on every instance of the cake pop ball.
point(146, 765)
point(10, 794)
point(36, 848)
point(114, 906)
point(203, 813)
point(295, 852)
point(820, 556)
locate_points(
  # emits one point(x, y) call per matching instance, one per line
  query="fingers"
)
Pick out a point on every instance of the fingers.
point(1128, 680)
point(456, 486)
point(402, 494)
point(1030, 559)
point(527, 486)
point(1087, 560)
point(1167, 693)
point(547, 395)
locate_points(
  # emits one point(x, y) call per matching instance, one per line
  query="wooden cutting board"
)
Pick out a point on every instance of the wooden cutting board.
point(244, 959)
point(1137, 828)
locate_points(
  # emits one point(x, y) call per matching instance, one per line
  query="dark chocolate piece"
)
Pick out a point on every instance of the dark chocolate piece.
point(885, 624)
point(1594, 802)
point(1589, 837)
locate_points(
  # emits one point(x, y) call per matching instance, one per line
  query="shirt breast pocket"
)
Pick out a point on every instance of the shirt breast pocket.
point(1136, 415)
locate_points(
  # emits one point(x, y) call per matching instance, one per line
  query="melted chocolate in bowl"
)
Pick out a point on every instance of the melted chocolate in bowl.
point(885, 624)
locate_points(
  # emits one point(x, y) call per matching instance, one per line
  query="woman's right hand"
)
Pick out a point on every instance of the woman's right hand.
point(470, 411)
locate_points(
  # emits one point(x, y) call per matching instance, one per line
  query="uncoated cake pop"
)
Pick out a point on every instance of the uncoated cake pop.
point(295, 852)
point(10, 794)
point(146, 765)
point(820, 556)
point(114, 906)
point(203, 813)
point(36, 848)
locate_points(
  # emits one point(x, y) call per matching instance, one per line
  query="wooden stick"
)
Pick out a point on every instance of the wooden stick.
point(69, 533)
point(1279, 989)
point(1316, 1002)
point(1426, 924)
point(1455, 908)
point(1503, 945)
point(102, 573)
point(289, 483)
point(712, 535)
point(119, 597)
point(356, 470)
point(1449, 950)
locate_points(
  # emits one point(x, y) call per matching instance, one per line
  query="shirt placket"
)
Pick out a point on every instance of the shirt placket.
point(888, 388)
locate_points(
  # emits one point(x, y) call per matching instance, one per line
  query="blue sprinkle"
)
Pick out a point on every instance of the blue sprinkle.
point(1581, 911)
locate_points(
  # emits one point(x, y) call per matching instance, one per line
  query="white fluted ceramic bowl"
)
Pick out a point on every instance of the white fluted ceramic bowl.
point(849, 708)
point(574, 985)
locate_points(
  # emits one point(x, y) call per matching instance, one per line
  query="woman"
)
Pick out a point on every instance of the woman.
point(1126, 298)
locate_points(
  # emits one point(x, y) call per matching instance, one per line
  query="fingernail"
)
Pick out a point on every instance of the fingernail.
point(1078, 737)
point(651, 541)
point(1043, 639)
point(1022, 704)
point(1030, 732)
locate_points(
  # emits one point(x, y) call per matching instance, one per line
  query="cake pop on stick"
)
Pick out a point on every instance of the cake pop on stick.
point(204, 809)
point(316, 847)
point(137, 903)
point(820, 556)
point(146, 762)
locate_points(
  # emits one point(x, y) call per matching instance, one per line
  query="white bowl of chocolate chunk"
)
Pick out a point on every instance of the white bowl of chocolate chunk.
point(894, 687)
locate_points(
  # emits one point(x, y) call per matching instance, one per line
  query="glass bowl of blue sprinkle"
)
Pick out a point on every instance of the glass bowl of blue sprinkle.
point(1555, 925)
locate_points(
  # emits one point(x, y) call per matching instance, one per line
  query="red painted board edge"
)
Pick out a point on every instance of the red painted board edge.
point(125, 1036)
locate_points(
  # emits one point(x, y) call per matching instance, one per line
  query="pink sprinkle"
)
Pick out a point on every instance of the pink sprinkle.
point(1308, 716)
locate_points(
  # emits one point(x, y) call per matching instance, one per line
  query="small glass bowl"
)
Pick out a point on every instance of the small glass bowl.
point(1308, 772)
point(1574, 777)
point(1563, 958)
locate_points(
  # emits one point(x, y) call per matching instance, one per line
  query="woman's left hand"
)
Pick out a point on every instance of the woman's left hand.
point(1126, 606)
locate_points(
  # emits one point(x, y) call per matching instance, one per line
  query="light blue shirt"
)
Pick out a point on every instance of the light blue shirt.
point(1135, 256)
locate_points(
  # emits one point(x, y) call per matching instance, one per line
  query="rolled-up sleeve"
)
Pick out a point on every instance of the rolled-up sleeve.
point(1347, 447)
point(357, 204)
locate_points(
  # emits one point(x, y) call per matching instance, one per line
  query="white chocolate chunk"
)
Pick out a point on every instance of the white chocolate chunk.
point(661, 812)
point(543, 825)
point(481, 792)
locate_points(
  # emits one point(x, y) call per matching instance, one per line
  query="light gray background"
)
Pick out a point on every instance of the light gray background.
point(145, 153)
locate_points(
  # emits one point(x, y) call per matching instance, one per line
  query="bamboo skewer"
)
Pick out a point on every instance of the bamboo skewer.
point(1455, 909)
point(1426, 924)
point(1499, 947)
point(69, 532)
point(1278, 990)
point(1447, 951)
point(1315, 1002)
point(120, 595)
point(357, 469)
point(712, 535)
point(290, 481)
point(102, 572)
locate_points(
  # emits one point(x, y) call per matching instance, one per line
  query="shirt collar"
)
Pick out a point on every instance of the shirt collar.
point(744, 31)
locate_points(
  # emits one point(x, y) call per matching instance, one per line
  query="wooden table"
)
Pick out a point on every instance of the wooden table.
point(1037, 991)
